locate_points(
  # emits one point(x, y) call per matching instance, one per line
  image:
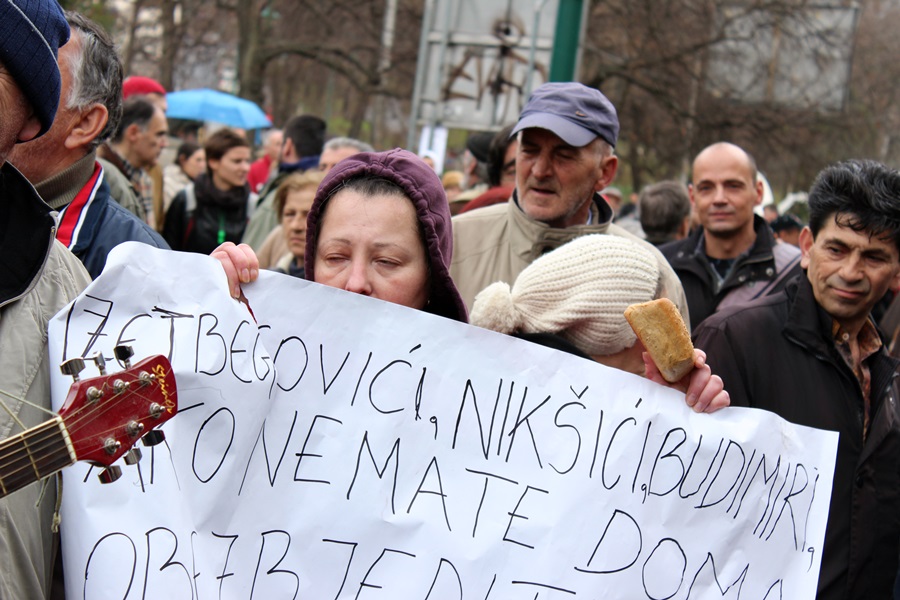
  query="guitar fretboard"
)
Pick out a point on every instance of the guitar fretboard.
point(34, 454)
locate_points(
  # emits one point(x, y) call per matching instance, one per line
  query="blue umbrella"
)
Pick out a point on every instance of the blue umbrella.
point(219, 107)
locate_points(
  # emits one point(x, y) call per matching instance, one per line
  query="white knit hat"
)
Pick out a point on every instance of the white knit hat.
point(580, 291)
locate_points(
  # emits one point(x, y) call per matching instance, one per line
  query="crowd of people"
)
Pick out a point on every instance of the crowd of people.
point(532, 240)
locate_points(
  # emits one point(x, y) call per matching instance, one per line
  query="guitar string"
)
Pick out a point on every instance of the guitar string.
point(39, 440)
point(14, 416)
point(89, 410)
point(73, 416)
point(19, 455)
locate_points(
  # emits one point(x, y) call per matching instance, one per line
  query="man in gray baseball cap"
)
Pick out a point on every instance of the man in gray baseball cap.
point(567, 134)
point(38, 277)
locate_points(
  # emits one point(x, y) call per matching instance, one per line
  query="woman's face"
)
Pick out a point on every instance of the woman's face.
point(194, 164)
point(293, 220)
point(232, 169)
point(371, 246)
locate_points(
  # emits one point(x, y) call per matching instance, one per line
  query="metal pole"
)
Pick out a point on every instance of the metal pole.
point(449, 20)
point(538, 9)
point(581, 37)
point(384, 65)
point(420, 75)
point(565, 40)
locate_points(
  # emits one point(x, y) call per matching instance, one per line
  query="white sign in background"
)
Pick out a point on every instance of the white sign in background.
point(482, 60)
point(342, 447)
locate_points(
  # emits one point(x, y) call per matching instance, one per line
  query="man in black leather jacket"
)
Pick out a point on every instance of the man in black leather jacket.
point(812, 354)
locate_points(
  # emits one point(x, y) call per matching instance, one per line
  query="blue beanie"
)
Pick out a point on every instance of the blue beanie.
point(31, 32)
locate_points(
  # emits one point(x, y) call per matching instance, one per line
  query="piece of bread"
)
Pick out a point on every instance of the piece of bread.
point(659, 326)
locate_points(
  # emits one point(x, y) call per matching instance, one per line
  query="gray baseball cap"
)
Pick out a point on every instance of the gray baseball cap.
point(575, 112)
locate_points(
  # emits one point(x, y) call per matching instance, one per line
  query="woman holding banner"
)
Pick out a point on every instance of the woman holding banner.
point(380, 226)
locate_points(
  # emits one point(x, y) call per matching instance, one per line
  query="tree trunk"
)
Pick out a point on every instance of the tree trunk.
point(250, 67)
point(359, 114)
point(129, 45)
point(170, 43)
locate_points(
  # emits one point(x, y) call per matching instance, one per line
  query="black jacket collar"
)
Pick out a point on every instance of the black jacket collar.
point(27, 230)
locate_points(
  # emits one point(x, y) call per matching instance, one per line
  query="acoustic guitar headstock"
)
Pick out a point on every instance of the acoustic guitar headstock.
point(107, 414)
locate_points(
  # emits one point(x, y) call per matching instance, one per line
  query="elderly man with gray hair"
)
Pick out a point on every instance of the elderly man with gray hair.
point(567, 134)
point(63, 165)
point(337, 149)
point(38, 278)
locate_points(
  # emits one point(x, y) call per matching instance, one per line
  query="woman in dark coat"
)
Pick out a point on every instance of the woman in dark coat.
point(215, 208)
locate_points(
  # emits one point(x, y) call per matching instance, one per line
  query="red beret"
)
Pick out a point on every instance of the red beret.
point(137, 85)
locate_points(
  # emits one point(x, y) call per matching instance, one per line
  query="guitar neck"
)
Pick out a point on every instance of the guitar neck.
point(34, 454)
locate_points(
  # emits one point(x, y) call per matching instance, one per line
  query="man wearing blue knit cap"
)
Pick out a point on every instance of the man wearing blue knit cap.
point(38, 276)
point(567, 133)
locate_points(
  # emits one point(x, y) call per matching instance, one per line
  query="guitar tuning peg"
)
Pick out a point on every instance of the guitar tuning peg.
point(111, 445)
point(110, 474)
point(100, 362)
point(134, 428)
point(152, 438)
point(133, 456)
point(72, 367)
point(123, 354)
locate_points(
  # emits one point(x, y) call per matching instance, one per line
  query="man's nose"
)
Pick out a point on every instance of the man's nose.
point(719, 194)
point(851, 269)
point(541, 168)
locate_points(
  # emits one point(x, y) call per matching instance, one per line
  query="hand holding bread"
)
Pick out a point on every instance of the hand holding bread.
point(662, 331)
point(671, 359)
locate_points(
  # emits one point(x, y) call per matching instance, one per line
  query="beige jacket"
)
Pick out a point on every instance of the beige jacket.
point(496, 243)
point(46, 278)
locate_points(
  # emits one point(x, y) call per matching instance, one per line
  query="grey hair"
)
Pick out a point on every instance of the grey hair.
point(604, 149)
point(96, 73)
point(346, 142)
point(267, 135)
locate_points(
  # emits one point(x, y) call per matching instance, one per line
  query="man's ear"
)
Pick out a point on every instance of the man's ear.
point(131, 133)
point(895, 283)
point(685, 228)
point(30, 128)
point(760, 192)
point(88, 127)
point(608, 169)
point(287, 149)
point(806, 242)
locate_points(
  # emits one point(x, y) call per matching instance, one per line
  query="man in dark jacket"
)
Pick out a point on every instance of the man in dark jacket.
point(304, 137)
point(733, 257)
point(62, 164)
point(812, 354)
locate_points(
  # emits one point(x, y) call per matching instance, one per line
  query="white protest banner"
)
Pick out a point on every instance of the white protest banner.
point(329, 445)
